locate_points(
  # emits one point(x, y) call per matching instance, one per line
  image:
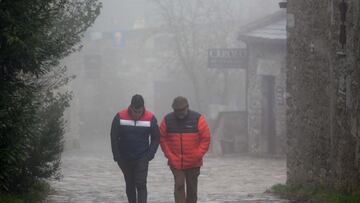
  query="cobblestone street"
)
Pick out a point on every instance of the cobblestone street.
point(90, 178)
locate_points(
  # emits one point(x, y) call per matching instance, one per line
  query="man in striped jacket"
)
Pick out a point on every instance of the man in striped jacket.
point(130, 146)
point(184, 139)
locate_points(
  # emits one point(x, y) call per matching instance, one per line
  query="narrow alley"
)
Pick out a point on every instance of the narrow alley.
point(95, 178)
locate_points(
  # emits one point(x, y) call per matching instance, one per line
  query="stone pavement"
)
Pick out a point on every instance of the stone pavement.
point(95, 178)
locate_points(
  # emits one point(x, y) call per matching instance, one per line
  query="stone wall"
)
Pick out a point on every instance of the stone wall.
point(323, 86)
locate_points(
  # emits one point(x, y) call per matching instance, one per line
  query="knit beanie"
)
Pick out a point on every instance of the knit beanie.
point(179, 102)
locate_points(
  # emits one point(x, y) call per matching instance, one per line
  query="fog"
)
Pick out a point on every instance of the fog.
point(226, 56)
point(160, 49)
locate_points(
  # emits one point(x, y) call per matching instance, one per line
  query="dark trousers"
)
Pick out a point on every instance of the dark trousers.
point(135, 174)
point(190, 178)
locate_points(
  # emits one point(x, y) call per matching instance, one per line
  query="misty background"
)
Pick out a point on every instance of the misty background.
point(158, 49)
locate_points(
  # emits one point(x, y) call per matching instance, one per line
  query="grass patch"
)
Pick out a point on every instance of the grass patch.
point(37, 193)
point(313, 194)
point(4, 198)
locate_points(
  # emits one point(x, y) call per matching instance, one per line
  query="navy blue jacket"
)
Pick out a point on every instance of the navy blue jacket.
point(130, 138)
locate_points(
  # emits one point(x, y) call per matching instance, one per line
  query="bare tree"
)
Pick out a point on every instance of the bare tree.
point(196, 26)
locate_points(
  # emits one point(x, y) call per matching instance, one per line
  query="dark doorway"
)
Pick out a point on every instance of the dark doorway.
point(268, 117)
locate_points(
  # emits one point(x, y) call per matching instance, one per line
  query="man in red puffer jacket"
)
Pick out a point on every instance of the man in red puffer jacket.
point(184, 139)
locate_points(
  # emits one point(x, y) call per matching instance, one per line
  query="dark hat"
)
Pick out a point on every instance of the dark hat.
point(137, 101)
point(180, 103)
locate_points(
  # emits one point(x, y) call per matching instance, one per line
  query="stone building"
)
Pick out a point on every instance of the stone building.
point(323, 86)
point(266, 44)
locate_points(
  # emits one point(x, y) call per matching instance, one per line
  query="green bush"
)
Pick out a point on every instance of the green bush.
point(32, 126)
point(34, 36)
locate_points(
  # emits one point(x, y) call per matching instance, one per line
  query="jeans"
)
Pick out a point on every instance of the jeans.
point(135, 175)
point(190, 177)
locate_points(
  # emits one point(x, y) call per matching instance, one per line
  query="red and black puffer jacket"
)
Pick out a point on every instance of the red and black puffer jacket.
point(184, 142)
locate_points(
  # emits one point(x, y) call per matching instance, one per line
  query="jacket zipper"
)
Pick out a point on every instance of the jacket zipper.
point(182, 155)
